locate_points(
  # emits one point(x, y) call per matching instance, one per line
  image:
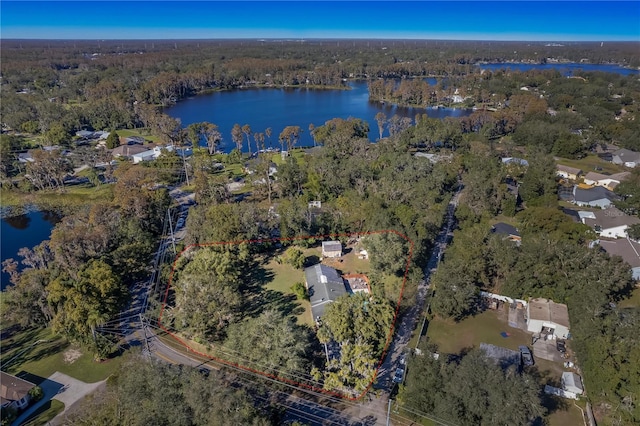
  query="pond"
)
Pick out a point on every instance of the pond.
point(25, 230)
point(278, 108)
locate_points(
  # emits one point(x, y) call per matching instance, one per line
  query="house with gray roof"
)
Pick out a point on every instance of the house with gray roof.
point(626, 157)
point(324, 285)
point(593, 197)
point(628, 250)
point(610, 222)
point(503, 357)
point(14, 391)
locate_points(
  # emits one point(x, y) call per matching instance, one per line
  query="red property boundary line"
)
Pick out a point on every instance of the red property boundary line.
point(274, 376)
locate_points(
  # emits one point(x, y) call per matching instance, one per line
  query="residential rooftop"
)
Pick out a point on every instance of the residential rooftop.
point(610, 217)
point(547, 310)
point(627, 249)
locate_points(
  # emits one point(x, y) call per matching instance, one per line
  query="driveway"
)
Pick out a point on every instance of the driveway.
point(72, 391)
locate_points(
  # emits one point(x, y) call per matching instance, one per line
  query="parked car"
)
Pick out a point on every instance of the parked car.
point(180, 223)
point(397, 378)
point(560, 345)
point(527, 358)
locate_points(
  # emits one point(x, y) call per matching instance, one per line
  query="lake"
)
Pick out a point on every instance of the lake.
point(564, 68)
point(281, 107)
point(26, 230)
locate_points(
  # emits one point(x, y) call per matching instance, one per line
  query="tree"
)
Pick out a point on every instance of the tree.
point(381, 119)
point(113, 140)
point(271, 343)
point(387, 252)
point(289, 136)
point(236, 136)
point(143, 392)
point(300, 290)
point(212, 135)
point(207, 290)
point(83, 304)
point(246, 129)
point(294, 257)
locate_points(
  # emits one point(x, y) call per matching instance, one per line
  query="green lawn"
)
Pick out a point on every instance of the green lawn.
point(633, 301)
point(589, 164)
point(72, 196)
point(281, 278)
point(452, 337)
point(138, 132)
point(298, 154)
point(45, 413)
point(21, 355)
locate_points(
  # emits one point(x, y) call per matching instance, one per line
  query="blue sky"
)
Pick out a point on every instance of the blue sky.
point(479, 20)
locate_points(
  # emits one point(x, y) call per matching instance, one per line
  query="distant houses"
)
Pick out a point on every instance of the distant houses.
point(626, 158)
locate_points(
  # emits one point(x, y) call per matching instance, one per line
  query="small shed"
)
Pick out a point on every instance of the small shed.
point(571, 382)
point(331, 249)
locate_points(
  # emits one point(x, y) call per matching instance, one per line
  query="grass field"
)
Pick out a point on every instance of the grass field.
point(452, 337)
point(138, 132)
point(38, 353)
point(73, 196)
point(633, 301)
point(282, 278)
point(45, 413)
point(592, 163)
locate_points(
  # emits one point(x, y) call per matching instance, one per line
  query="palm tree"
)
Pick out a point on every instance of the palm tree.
point(236, 136)
point(246, 129)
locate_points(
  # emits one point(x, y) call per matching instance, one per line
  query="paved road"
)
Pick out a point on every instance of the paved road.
point(370, 412)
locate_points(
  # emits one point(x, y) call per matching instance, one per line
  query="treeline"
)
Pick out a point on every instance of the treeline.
point(568, 117)
point(144, 392)
point(79, 278)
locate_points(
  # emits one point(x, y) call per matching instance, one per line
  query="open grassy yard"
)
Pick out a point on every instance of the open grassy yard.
point(633, 301)
point(280, 278)
point(138, 132)
point(592, 163)
point(73, 196)
point(452, 337)
point(38, 353)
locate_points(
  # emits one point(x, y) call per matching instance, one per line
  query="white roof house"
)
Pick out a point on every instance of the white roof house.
point(546, 315)
point(606, 181)
point(571, 382)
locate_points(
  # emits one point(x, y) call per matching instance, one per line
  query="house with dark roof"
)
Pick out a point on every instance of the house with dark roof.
point(508, 231)
point(626, 157)
point(324, 285)
point(593, 197)
point(609, 222)
point(14, 391)
point(628, 250)
point(515, 160)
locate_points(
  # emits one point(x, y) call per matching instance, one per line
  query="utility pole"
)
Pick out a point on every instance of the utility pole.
point(173, 239)
point(389, 412)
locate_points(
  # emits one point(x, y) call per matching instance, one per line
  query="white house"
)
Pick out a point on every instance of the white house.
point(150, 154)
point(571, 382)
point(626, 158)
point(567, 172)
point(547, 317)
point(331, 249)
point(610, 222)
point(605, 181)
point(628, 250)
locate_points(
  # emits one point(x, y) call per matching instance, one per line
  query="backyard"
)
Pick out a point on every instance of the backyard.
point(491, 327)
